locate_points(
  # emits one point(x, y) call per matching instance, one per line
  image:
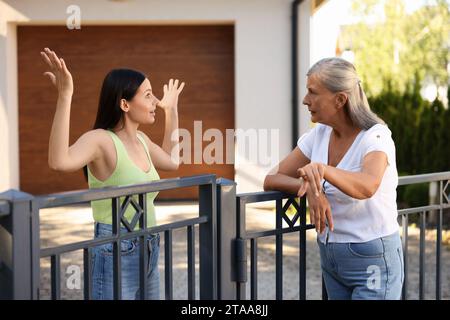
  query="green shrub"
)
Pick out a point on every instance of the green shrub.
point(416, 195)
point(420, 129)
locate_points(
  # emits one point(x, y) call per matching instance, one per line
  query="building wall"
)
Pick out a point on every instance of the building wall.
point(262, 63)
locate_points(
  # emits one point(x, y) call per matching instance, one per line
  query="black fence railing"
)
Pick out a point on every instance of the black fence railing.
point(442, 180)
point(280, 215)
point(20, 257)
point(223, 238)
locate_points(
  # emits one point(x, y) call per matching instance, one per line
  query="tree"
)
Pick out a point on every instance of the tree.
point(392, 46)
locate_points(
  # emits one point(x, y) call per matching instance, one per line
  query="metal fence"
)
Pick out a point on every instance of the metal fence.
point(443, 181)
point(223, 238)
point(280, 216)
point(19, 234)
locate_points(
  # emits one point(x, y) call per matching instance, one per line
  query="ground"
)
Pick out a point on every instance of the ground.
point(73, 224)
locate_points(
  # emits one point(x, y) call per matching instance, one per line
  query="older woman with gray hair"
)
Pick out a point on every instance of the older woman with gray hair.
point(346, 166)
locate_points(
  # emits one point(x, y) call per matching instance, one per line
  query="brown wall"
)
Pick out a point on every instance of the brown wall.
point(202, 56)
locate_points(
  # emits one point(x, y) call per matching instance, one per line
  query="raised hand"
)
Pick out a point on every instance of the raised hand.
point(59, 74)
point(171, 93)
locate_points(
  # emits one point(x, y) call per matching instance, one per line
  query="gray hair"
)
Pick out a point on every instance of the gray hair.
point(339, 75)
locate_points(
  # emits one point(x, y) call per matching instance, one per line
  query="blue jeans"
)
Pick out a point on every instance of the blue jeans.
point(102, 266)
point(370, 270)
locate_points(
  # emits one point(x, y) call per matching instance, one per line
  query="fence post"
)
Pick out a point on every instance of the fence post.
point(19, 243)
point(226, 235)
point(208, 241)
point(240, 246)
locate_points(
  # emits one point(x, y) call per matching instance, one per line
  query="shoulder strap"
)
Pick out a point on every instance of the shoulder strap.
point(120, 148)
point(141, 138)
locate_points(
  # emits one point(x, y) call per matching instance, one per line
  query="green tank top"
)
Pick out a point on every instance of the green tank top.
point(125, 173)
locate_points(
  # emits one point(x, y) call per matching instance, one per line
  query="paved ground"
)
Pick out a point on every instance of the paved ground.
point(67, 225)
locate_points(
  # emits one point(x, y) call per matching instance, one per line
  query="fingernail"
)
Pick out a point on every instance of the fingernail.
point(317, 194)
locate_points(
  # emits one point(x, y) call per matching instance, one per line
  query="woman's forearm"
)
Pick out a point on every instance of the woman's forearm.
point(59, 135)
point(171, 135)
point(358, 185)
point(282, 183)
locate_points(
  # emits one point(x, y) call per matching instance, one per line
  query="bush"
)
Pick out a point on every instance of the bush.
point(420, 129)
point(416, 195)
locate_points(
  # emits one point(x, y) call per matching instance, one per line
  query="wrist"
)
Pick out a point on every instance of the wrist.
point(172, 112)
point(65, 95)
point(325, 171)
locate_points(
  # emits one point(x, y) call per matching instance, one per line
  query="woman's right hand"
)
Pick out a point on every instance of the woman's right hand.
point(171, 92)
point(59, 74)
point(319, 210)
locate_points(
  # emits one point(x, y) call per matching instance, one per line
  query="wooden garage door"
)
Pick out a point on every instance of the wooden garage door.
point(202, 56)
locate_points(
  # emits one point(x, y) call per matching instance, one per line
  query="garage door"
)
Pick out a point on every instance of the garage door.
point(202, 56)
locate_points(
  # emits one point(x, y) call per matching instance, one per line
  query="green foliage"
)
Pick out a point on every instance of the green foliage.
point(396, 53)
point(393, 46)
point(420, 129)
point(416, 195)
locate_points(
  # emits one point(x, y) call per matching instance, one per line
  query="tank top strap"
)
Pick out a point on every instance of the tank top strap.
point(141, 138)
point(120, 148)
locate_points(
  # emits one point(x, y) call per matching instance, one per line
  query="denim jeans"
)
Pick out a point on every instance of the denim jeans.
point(370, 270)
point(102, 266)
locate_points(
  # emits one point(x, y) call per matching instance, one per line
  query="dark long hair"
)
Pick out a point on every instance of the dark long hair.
point(118, 84)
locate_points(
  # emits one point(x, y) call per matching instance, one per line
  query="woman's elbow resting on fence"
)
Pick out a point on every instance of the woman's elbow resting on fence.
point(272, 182)
point(267, 183)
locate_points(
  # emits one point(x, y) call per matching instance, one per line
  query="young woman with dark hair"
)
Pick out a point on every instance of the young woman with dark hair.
point(116, 153)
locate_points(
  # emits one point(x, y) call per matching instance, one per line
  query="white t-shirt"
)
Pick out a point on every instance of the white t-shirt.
point(357, 220)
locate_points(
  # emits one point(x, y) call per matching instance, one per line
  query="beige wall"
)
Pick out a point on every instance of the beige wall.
point(9, 153)
point(262, 62)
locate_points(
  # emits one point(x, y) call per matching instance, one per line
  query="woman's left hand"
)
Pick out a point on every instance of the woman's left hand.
point(313, 172)
point(171, 93)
